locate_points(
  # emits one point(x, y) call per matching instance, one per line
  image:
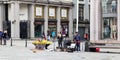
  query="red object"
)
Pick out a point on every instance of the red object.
point(97, 49)
point(86, 36)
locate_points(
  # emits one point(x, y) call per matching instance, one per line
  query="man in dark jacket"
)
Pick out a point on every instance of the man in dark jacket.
point(77, 41)
point(5, 37)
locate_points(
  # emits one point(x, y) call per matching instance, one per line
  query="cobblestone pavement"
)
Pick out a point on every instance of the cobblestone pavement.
point(19, 52)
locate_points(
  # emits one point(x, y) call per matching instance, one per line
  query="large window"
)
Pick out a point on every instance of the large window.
point(110, 28)
point(109, 21)
point(81, 0)
point(81, 12)
point(109, 6)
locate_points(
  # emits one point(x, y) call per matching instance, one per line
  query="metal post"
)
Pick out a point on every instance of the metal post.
point(77, 20)
point(26, 42)
point(11, 41)
point(0, 41)
point(54, 43)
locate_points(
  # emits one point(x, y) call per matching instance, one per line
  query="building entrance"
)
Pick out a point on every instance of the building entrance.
point(81, 32)
point(23, 29)
point(38, 30)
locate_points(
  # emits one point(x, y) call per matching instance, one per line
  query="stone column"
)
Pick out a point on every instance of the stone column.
point(12, 19)
point(1, 17)
point(92, 20)
point(31, 18)
point(46, 19)
point(98, 20)
point(118, 20)
point(17, 20)
point(58, 20)
point(76, 14)
point(86, 10)
point(70, 18)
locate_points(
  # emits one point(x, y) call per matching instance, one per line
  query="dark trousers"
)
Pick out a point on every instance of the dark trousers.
point(46, 46)
point(4, 39)
point(59, 44)
point(77, 47)
point(0, 41)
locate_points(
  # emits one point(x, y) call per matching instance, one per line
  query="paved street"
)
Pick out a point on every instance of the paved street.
point(19, 52)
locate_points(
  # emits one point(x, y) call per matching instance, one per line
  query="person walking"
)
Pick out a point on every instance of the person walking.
point(77, 42)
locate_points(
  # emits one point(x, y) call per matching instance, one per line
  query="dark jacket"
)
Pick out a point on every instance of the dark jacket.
point(60, 38)
point(1, 34)
point(77, 38)
point(5, 35)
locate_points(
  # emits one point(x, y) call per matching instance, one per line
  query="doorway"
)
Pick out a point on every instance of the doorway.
point(23, 29)
point(81, 32)
point(38, 30)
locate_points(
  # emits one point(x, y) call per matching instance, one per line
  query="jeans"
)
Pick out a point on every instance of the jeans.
point(77, 47)
point(4, 39)
point(82, 46)
point(59, 44)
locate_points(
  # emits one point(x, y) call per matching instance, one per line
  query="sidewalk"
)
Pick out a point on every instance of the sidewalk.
point(22, 43)
point(19, 52)
point(22, 53)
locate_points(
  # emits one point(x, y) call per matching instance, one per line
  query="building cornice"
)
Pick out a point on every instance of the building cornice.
point(51, 3)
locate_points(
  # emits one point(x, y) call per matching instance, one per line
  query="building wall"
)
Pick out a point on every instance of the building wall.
point(18, 11)
point(100, 12)
point(23, 12)
point(81, 17)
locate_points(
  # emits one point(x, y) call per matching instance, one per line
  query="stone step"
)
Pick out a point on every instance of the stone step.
point(105, 42)
point(98, 46)
point(106, 50)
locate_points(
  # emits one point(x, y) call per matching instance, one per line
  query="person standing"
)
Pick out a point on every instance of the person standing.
point(60, 39)
point(77, 41)
point(48, 35)
point(86, 36)
point(5, 37)
point(53, 35)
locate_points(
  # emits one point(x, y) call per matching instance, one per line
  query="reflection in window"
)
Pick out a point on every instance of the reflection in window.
point(65, 30)
point(107, 29)
point(109, 6)
point(110, 28)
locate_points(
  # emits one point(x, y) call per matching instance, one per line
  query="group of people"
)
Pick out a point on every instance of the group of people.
point(53, 36)
point(3, 37)
point(59, 38)
point(79, 43)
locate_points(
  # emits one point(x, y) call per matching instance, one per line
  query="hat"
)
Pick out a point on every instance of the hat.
point(5, 31)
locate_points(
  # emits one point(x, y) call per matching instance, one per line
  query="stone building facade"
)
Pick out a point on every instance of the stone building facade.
point(104, 20)
point(32, 18)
